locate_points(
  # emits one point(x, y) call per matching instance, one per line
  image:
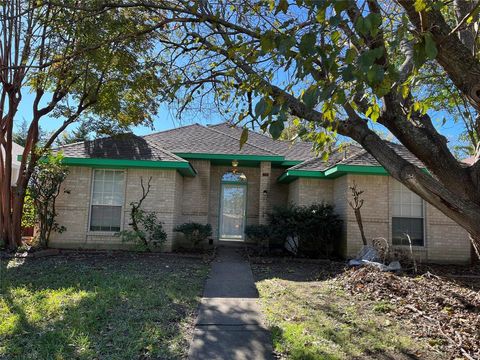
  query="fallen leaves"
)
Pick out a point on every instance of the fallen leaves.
point(440, 308)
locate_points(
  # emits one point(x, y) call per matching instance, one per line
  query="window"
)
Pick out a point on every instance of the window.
point(234, 177)
point(407, 217)
point(107, 200)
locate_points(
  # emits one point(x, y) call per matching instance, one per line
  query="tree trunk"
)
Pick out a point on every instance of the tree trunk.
point(358, 216)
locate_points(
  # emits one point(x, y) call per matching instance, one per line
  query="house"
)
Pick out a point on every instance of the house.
point(200, 174)
point(17, 151)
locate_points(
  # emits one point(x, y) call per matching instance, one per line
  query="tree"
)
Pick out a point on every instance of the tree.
point(76, 62)
point(356, 205)
point(340, 65)
point(44, 188)
point(80, 134)
point(21, 133)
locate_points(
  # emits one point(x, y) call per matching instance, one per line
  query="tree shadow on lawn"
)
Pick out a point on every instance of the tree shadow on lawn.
point(126, 308)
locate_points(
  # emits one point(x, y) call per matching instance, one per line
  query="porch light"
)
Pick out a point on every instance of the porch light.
point(234, 166)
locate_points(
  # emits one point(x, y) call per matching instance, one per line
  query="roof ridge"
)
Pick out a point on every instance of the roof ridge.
point(174, 129)
point(286, 142)
point(152, 143)
point(230, 136)
point(308, 161)
point(93, 140)
point(352, 156)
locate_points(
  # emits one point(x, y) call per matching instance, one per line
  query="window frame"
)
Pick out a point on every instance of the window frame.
point(423, 217)
point(122, 211)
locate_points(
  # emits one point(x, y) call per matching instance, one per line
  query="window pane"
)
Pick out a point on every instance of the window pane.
point(107, 200)
point(105, 218)
point(405, 202)
point(411, 226)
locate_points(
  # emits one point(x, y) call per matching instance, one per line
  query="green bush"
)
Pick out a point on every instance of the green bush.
point(317, 228)
point(195, 233)
point(258, 233)
point(147, 233)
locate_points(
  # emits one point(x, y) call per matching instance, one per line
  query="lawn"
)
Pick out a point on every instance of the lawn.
point(312, 316)
point(99, 307)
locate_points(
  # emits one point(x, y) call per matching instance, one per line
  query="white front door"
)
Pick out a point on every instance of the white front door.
point(232, 211)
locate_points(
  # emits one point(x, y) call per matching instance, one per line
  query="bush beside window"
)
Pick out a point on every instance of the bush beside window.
point(195, 233)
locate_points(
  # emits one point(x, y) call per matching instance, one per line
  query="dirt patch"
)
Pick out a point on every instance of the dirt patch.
point(268, 268)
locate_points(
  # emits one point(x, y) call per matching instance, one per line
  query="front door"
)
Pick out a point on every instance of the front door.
point(232, 211)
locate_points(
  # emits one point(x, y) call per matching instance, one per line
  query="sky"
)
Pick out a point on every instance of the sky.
point(166, 120)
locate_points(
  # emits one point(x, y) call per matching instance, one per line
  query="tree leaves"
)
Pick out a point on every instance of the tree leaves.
point(307, 44)
point(430, 46)
point(276, 128)
point(424, 50)
point(369, 25)
point(282, 6)
point(243, 137)
point(373, 112)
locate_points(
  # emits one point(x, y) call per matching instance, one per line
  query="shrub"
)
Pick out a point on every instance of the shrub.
point(147, 232)
point(195, 233)
point(258, 233)
point(44, 188)
point(317, 228)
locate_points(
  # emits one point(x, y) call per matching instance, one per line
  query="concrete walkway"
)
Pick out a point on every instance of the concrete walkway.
point(230, 324)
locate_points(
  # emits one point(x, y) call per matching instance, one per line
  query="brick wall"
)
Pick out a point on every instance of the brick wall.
point(305, 191)
point(73, 208)
point(264, 204)
point(193, 199)
point(445, 241)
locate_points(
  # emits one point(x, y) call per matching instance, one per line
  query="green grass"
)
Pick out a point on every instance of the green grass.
point(319, 320)
point(98, 307)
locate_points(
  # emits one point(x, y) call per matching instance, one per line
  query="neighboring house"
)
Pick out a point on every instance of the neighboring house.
point(17, 151)
point(192, 180)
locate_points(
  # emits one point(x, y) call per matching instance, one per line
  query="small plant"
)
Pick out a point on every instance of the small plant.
point(383, 307)
point(195, 233)
point(29, 212)
point(44, 188)
point(147, 232)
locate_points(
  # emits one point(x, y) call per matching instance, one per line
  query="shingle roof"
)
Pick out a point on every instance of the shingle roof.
point(221, 139)
point(353, 155)
point(291, 151)
point(204, 140)
point(339, 154)
point(123, 146)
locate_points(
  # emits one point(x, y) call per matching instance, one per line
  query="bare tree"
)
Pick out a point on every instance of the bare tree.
point(356, 205)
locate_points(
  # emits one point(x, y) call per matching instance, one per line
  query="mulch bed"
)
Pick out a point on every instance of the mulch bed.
point(444, 309)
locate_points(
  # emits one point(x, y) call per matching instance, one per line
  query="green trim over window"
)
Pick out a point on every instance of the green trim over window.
point(291, 175)
point(182, 166)
point(340, 170)
point(332, 173)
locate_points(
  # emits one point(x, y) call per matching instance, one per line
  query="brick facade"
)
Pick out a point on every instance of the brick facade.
point(178, 199)
point(445, 241)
